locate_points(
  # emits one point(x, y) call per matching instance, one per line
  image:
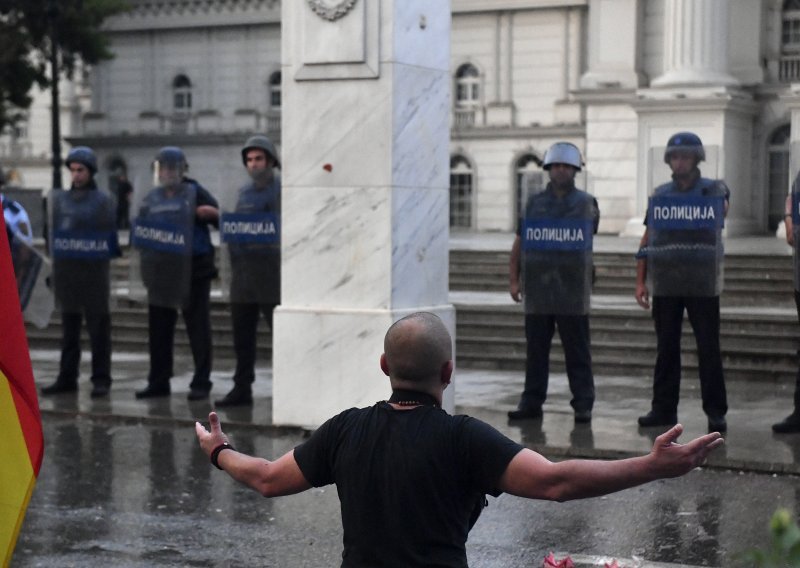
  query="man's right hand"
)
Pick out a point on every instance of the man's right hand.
point(643, 296)
point(516, 294)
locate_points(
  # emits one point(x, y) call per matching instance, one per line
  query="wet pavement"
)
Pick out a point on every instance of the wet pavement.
point(124, 484)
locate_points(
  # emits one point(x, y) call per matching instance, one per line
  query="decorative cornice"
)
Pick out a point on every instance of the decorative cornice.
point(518, 132)
point(331, 10)
point(145, 8)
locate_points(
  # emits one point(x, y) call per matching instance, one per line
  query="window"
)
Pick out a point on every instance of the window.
point(529, 180)
point(275, 91)
point(789, 69)
point(778, 152)
point(182, 94)
point(468, 91)
point(460, 192)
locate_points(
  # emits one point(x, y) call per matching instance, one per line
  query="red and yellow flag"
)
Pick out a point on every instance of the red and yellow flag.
point(20, 422)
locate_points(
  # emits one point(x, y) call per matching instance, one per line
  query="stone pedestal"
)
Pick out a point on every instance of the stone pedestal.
point(365, 195)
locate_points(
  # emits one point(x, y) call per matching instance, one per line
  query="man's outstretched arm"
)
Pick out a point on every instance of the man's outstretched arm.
point(271, 479)
point(532, 475)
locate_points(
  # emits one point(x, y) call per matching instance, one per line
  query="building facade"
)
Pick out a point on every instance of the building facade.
point(615, 77)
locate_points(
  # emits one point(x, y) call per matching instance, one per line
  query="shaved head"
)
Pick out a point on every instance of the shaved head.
point(416, 349)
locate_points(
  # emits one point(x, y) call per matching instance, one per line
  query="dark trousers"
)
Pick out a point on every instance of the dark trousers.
point(797, 379)
point(704, 317)
point(574, 334)
point(245, 325)
point(99, 327)
point(161, 325)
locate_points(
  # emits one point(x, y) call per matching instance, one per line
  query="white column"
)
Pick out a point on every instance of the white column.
point(695, 44)
point(614, 30)
point(365, 196)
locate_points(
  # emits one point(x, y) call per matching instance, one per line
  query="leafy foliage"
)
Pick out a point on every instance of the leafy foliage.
point(26, 31)
point(784, 548)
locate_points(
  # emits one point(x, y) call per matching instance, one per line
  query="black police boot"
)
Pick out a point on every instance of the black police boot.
point(789, 425)
point(654, 418)
point(198, 393)
point(240, 395)
point(583, 416)
point(529, 413)
point(100, 390)
point(151, 391)
point(60, 386)
point(717, 423)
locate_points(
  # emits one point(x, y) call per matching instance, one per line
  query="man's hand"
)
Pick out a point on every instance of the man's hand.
point(516, 295)
point(643, 296)
point(671, 459)
point(207, 213)
point(210, 440)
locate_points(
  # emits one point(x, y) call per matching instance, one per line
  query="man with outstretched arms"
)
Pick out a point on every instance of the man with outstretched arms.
point(680, 261)
point(412, 479)
point(82, 242)
point(250, 227)
point(175, 257)
point(551, 268)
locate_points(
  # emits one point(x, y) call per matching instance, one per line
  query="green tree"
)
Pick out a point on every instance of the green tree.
point(27, 28)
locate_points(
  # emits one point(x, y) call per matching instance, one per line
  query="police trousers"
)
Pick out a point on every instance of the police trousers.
point(161, 326)
point(704, 317)
point(99, 327)
point(245, 324)
point(574, 333)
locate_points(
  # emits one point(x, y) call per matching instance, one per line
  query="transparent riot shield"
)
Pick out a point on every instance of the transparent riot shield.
point(32, 271)
point(82, 241)
point(794, 198)
point(250, 229)
point(556, 237)
point(684, 248)
point(162, 222)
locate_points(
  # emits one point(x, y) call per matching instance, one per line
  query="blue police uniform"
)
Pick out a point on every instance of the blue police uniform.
point(566, 309)
point(82, 242)
point(256, 278)
point(195, 311)
point(702, 307)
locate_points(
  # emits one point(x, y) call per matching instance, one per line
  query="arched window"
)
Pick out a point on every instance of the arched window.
point(778, 152)
point(468, 87)
point(182, 94)
point(460, 192)
point(529, 178)
point(275, 91)
point(467, 96)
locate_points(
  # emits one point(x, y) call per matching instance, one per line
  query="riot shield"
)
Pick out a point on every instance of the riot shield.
point(250, 229)
point(684, 248)
point(83, 240)
point(556, 236)
point(794, 196)
point(161, 237)
point(32, 271)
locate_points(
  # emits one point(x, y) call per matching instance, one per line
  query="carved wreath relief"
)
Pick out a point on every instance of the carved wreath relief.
point(331, 9)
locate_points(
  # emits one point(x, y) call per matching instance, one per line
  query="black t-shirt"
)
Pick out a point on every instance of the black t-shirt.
point(411, 482)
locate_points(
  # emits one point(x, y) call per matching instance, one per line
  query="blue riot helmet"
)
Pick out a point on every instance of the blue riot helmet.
point(685, 142)
point(172, 155)
point(563, 153)
point(261, 142)
point(83, 155)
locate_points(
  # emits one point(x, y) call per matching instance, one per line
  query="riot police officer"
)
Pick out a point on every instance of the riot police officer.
point(251, 230)
point(553, 248)
point(82, 242)
point(680, 259)
point(172, 245)
point(791, 424)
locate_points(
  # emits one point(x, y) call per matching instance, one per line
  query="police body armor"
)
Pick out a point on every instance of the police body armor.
point(82, 242)
point(162, 237)
point(795, 212)
point(556, 236)
point(684, 249)
point(250, 228)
